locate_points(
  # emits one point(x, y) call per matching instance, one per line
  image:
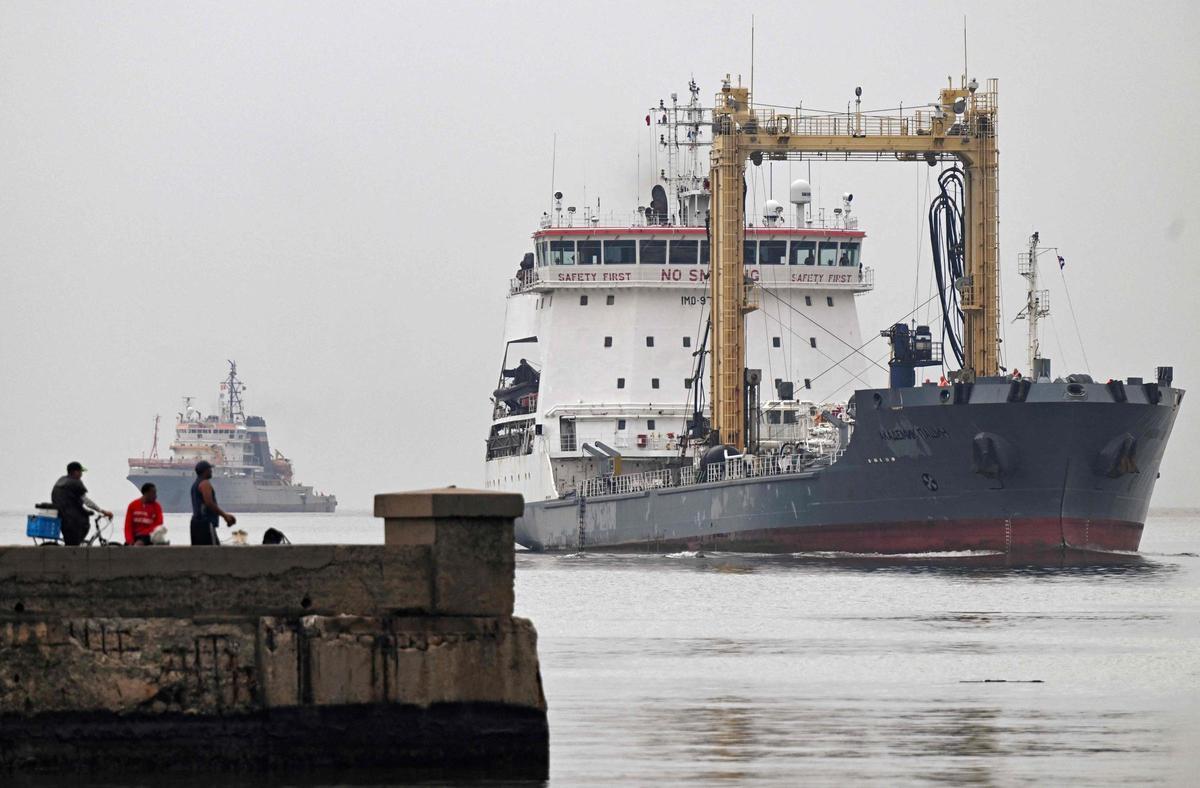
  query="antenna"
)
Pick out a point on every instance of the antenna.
point(752, 57)
point(965, 71)
point(553, 162)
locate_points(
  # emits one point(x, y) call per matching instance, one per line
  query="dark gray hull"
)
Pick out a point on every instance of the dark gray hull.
point(235, 494)
point(928, 469)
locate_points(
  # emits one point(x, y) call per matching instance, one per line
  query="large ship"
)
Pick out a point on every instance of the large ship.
point(247, 475)
point(688, 379)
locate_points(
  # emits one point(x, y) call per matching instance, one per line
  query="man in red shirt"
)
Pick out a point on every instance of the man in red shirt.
point(143, 516)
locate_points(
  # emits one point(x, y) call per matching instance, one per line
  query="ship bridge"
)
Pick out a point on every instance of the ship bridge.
point(676, 256)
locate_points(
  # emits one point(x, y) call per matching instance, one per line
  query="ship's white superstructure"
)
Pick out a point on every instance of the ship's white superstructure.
point(606, 319)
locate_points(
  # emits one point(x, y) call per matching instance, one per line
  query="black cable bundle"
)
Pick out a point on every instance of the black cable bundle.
point(946, 233)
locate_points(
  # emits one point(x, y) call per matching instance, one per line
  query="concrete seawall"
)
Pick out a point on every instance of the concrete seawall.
point(277, 658)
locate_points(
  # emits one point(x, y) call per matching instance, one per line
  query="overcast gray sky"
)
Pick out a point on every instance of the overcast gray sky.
point(335, 195)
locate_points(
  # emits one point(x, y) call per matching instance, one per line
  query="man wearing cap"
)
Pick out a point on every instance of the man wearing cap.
point(205, 511)
point(69, 497)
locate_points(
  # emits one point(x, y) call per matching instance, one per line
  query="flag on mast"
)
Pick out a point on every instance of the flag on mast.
point(1061, 263)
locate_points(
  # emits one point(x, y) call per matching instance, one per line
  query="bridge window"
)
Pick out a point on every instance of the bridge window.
point(803, 253)
point(589, 253)
point(649, 341)
point(808, 300)
point(653, 383)
point(829, 300)
point(749, 252)
point(620, 252)
point(704, 253)
point(772, 417)
point(654, 252)
point(687, 341)
point(562, 253)
point(789, 417)
point(620, 424)
point(650, 424)
point(583, 300)
point(849, 254)
point(610, 300)
point(772, 252)
point(620, 383)
point(684, 252)
point(775, 342)
point(827, 254)
point(543, 253)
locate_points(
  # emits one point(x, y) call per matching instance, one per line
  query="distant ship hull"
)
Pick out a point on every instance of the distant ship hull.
point(928, 469)
point(235, 494)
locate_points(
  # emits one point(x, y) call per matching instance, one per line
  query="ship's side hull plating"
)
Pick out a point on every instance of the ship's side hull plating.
point(236, 494)
point(929, 469)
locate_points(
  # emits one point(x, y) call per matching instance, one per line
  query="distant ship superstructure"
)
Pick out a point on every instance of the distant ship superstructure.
point(247, 475)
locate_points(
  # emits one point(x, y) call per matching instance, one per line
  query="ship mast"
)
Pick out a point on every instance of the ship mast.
point(960, 126)
point(231, 404)
point(1037, 305)
point(154, 445)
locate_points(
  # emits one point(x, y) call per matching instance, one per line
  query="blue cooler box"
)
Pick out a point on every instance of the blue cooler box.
point(43, 526)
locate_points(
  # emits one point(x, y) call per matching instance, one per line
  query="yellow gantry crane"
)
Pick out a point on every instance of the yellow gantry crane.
point(960, 126)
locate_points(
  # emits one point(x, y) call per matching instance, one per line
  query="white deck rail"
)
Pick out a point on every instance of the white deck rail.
point(740, 467)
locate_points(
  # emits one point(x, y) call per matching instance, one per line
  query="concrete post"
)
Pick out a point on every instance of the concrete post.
point(470, 535)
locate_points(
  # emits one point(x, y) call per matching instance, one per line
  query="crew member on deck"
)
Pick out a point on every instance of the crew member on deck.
point(143, 516)
point(522, 373)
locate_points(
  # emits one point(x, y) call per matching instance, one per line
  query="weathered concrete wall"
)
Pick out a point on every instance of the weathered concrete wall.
point(188, 581)
point(289, 657)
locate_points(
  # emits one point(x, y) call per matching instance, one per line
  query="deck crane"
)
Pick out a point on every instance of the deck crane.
point(960, 126)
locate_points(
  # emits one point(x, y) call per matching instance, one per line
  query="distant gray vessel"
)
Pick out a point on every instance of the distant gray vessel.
point(247, 476)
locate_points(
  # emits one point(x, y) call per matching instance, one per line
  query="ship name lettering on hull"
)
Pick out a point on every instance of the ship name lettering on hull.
point(912, 433)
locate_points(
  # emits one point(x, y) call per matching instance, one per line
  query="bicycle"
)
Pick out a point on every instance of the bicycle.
point(45, 529)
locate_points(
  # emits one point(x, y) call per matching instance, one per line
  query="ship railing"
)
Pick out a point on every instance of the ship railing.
point(627, 483)
point(607, 220)
point(784, 123)
point(620, 220)
point(795, 122)
point(530, 278)
point(526, 279)
point(742, 467)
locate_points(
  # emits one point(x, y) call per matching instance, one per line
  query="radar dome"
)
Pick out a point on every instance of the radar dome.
point(801, 192)
point(773, 209)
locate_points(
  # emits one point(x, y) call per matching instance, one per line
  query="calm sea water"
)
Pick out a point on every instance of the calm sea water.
point(718, 669)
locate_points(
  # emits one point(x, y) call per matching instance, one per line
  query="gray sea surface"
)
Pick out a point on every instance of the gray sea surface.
point(837, 670)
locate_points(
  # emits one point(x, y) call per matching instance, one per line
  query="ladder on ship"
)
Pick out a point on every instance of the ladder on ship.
point(581, 510)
